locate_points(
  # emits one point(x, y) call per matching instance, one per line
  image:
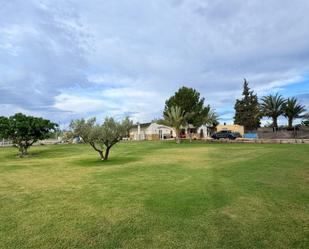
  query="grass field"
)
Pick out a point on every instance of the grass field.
point(156, 195)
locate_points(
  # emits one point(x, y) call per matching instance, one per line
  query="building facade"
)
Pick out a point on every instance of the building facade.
point(201, 132)
point(151, 131)
point(233, 128)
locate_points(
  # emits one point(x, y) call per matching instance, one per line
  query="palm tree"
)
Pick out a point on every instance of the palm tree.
point(293, 110)
point(305, 121)
point(210, 117)
point(273, 106)
point(175, 117)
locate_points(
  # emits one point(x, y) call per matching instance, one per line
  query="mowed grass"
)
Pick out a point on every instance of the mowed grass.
point(156, 195)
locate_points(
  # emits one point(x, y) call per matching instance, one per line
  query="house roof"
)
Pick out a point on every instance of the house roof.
point(143, 125)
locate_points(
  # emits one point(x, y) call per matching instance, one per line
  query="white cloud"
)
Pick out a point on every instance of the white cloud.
point(78, 104)
point(126, 57)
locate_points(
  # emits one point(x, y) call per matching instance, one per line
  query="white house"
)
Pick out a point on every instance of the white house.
point(201, 132)
point(151, 131)
point(204, 131)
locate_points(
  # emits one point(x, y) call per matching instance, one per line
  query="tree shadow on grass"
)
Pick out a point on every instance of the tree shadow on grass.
point(56, 151)
point(96, 162)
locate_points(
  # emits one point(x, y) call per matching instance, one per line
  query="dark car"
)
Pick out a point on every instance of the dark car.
point(226, 135)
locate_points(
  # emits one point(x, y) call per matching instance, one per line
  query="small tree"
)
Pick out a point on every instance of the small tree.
point(175, 118)
point(273, 106)
point(24, 130)
point(292, 110)
point(100, 137)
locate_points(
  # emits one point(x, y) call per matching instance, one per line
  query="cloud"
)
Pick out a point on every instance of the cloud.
point(66, 59)
point(78, 104)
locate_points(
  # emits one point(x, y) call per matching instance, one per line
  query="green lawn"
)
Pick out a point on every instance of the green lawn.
point(156, 195)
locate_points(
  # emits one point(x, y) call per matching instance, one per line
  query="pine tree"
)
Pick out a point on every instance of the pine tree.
point(247, 109)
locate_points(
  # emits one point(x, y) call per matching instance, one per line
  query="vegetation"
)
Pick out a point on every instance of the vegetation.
point(156, 195)
point(210, 117)
point(305, 121)
point(24, 130)
point(190, 102)
point(247, 112)
point(128, 124)
point(175, 117)
point(273, 106)
point(292, 110)
point(101, 137)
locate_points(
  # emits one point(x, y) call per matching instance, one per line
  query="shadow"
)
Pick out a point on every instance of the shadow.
point(96, 162)
point(51, 151)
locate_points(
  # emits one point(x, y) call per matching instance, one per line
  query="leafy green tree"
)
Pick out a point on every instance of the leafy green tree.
point(292, 110)
point(100, 137)
point(190, 102)
point(273, 106)
point(175, 117)
point(247, 112)
point(24, 130)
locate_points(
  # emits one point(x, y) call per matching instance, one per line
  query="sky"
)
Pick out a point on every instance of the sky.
point(64, 59)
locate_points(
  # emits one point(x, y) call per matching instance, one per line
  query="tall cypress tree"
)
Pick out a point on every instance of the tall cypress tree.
point(247, 111)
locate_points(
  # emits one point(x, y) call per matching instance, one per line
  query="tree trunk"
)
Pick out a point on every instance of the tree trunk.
point(98, 150)
point(23, 151)
point(101, 155)
point(275, 123)
point(106, 153)
point(177, 139)
point(177, 136)
point(290, 124)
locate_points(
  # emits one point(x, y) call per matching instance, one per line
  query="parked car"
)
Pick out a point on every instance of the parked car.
point(237, 134)
point(226, 135)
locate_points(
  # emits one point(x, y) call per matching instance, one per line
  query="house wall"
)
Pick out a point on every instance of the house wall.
point(197, 133)
point(155, 128)
point(134, 135)
point(233, 128)
point(152, 132)
point(205, 131)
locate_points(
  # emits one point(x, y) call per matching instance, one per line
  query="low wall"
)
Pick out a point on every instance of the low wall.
point(4, 143)
point(268, 133)
point(260, 141)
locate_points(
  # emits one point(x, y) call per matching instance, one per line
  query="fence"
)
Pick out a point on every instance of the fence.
point(5, 143)
point(269, 133)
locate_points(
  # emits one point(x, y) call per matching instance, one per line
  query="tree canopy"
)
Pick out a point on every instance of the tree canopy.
point(273, 106)
point(101, 137)
point(190, 102)
point(247, 111)
point(292, 109)
point(175, 117)
point(24, 130)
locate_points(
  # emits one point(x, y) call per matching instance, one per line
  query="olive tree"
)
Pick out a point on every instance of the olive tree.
point(24, 130)
point(101, 137)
